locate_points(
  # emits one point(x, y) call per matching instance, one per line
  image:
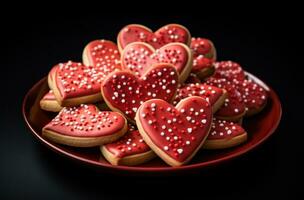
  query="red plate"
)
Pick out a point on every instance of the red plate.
point(259, 128)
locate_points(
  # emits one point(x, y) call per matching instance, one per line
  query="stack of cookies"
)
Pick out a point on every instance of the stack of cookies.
point(152, 94)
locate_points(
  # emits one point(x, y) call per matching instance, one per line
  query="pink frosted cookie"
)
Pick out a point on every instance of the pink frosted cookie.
point(175, 134)
point(204, 55)
point(129, 150)
point(165, 35)
point(254, 96)
point(214, 95)
point(233, 108)
point(49, 102)
point(125, 92)
point(138, 57)
point(224, 134)
point(85, 126)
point(229, 70)
point(103, 55)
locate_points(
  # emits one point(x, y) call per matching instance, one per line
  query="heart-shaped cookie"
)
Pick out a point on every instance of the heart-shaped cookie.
point(139, 57)
point(254, 96)
point(166, 34)
point(204, 55)
point(214, 95)
point(124, 92)
point(103, 55)
point(229, 70)
point(224, 134)
point(85, 126)
point(74, 83)
point(129, 150)
point(175, 133)
point(49, 102)
point(233, 108)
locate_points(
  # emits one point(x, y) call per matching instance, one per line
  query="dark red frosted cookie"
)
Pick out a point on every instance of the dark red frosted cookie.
point(125, 92)
point(229, 70)
point(233, 108)
point(254, 96)
point(204, 55)
point(224, 134)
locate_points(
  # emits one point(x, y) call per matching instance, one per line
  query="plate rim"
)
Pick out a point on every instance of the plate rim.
point(60, 151)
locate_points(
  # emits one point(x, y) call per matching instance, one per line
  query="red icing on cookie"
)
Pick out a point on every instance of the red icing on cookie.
point(221, 129)
point(139, 56)
point(208, 92)
point(234, 104)
point(102, 54)
point(229, 70)
point(166, 34)
point(124, 91)
point(254, 96)
point(86, 121)
point(200, 63)
point(204, 54)
point(49, 96)
point(176, 131)
point(130, 144)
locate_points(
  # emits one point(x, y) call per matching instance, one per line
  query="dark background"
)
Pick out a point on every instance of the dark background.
point(264, 42)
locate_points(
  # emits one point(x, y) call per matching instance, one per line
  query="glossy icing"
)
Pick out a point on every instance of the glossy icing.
point(126, 92)
point(138, 57)
point(229, 70)
point(86, 121)
point(176, 131)
point(254, 96)
point(166, 34)
point(208, 92)
point(221, 129)
point(104, 55)
point(130, 144)
point(203, 54)
point(233, 105)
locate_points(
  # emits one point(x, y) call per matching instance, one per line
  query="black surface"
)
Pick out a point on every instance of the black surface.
point(261, 43)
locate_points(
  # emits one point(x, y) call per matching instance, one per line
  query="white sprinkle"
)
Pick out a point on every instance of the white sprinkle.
point(204, 121)
point(180, 151)
point(189, 130)
point(166, 148)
